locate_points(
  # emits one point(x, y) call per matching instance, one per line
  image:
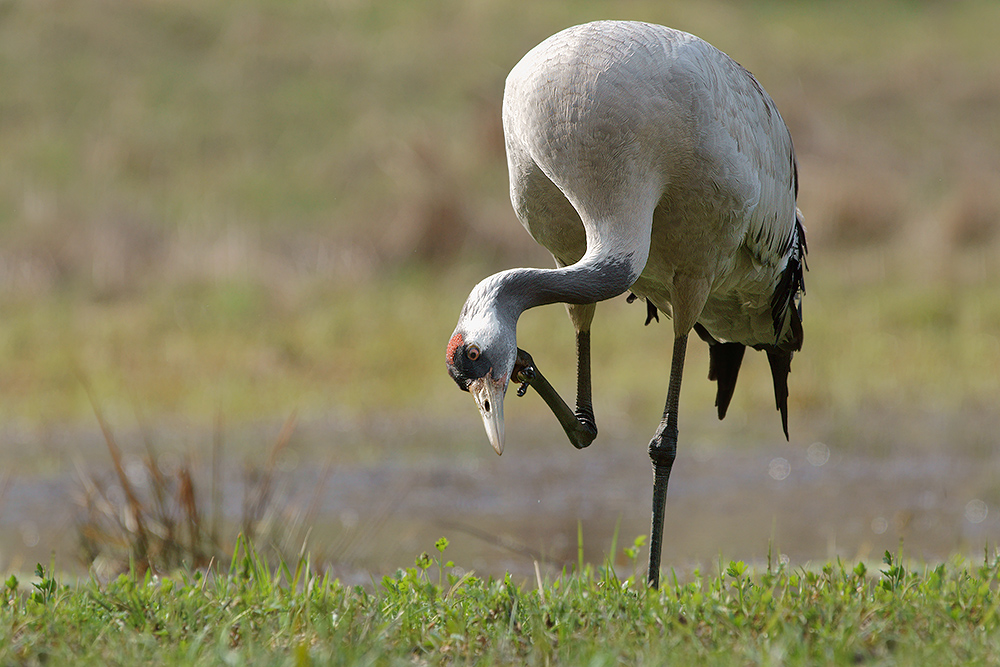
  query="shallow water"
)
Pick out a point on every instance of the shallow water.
point(833, 492)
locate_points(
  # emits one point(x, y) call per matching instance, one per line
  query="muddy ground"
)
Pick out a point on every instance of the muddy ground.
point(384, 491)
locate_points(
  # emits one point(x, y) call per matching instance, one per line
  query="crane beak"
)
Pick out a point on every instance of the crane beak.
point(489, 394)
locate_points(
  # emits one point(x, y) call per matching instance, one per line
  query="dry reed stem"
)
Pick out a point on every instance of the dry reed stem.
point(141, 544)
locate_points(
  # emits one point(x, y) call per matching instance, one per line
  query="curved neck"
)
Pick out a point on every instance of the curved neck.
point(594, 278)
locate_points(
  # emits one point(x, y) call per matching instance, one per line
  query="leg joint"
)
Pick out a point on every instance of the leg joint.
point(661, 453)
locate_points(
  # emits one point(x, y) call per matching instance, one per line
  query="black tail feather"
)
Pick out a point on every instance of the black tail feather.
point(781, 365)
point(786, 304)
point(651, 312)
point(724, 361)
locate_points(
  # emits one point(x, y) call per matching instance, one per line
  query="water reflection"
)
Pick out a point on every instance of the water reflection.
point(391, 501)
point(779, 468)
point(818, 454)
point(976, 511)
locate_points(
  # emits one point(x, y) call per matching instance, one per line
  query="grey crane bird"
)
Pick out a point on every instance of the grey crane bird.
point(645, 160)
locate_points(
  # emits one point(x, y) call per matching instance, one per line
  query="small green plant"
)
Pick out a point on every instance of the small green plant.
point(45, 587)
point(10, 591)
point(632, 552)
point(894, 574)
point(736, 569)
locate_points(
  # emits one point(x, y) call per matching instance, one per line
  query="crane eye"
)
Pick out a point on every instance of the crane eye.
point(472, 352)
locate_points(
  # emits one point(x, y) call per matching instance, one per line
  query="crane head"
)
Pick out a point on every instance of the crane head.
point(481, 364)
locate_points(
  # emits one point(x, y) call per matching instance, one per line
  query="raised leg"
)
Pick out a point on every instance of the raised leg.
point(579, 428)
point(582, 315)
point(662, 451)
point(584, 400)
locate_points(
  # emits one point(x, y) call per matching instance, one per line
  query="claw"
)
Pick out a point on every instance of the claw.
point(525, 376)
point(524, 371)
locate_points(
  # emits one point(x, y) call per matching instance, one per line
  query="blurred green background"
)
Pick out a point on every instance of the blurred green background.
point(238, 210)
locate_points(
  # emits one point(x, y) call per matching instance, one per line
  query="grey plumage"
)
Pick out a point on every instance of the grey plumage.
point(644, 159)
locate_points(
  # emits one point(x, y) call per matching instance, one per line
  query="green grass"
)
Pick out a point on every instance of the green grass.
point(436, 614)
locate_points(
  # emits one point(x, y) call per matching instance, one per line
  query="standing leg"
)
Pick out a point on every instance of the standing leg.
point(662, 450)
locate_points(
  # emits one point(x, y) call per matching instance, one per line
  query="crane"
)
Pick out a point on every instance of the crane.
point(644, 160)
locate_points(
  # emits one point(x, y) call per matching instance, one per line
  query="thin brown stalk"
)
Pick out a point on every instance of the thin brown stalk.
point(134, 506)
point(257, 500)
point(189, 505)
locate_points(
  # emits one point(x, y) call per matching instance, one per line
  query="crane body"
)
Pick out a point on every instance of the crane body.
point(644, 160)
